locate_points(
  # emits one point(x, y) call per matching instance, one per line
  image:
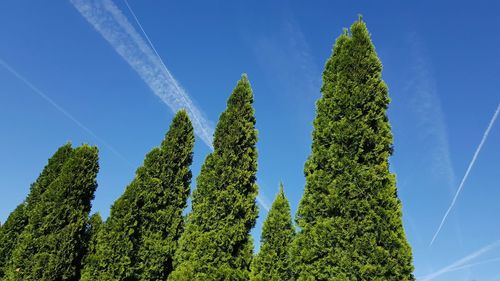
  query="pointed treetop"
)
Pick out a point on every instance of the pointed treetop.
point(281, 191)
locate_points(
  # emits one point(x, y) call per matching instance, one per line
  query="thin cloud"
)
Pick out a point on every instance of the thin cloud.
point(471, 164)
point(110, 22)
point(427, 106)
point(60, 108)
point(462, 263)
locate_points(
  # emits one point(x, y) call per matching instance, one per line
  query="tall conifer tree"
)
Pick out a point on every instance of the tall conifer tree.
point(52, 245)
point(18, 219)
point(350, 216)
point(140, 237)
point(272, 263)
point(216, 244)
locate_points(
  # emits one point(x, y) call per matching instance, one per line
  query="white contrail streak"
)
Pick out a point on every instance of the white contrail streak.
point(485, 136)
point(60, 109)
point(462, 263)
point(110, 22)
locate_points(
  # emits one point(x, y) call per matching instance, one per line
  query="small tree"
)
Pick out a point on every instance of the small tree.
point(272, 263)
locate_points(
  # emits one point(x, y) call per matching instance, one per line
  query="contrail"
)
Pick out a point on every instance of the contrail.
point(60, 109)
point(485, 136)
point(463, 262)
point(110, 22)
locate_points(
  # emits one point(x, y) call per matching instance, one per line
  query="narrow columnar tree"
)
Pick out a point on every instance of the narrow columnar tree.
point(165, 199)
point(51, 246)
point(272, 263)
point(18, 219)
point(350, 216)
point(216, 244)
point(140, 237)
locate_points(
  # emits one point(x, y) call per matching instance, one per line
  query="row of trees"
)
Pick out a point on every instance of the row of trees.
point(349, 219)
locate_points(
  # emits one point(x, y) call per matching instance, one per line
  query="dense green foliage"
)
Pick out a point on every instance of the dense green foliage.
point(272, 263)
point(18, 219)
point(216, 244)
point(139, 238)
point(9, 233)
point(90, 261)
point(350, 216)
point(51, 246)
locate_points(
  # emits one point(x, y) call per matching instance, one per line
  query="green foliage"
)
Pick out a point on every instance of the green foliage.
point(140, 237)
point(9, 233)
point(350, 216)
point(18, 219)
point(52, 244)
point(90, 261)
point(272, 263)
point(216, 244)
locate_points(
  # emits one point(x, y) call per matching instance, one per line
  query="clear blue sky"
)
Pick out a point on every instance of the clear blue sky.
point(441, 64)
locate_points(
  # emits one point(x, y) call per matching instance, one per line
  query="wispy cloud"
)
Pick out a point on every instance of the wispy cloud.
point(142, 56)
point(471, 164)
point(60, 109)
point(112, 24)
point(462, 263)
point(427, 105)
point(287, 59)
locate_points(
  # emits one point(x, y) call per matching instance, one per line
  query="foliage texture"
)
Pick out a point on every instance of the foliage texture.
point(52, 245)
point(272, 263)
point(139, 239)
point(216, 244)
point(350, 216)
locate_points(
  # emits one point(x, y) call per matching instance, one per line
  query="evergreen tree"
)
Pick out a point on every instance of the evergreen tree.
point(350, 216)
point(216, 244)
point(165, 200)
point(89, 261)
point(272, 263)
point(140, 237)
point(18, 219)
point(52, 244)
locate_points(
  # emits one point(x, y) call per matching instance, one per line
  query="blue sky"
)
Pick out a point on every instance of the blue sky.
point(440, 63)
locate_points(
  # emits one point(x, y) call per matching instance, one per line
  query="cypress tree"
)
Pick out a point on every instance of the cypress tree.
point(272, 263)
point(350, 216)
point(140, 237)
point(216, 244)
point(18, 219)
point(165, 200)
point(52, 244)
